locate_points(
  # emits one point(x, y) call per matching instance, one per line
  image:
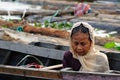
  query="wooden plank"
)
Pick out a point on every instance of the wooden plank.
point(33, 50)
point(74, 75)
point(50, 2)
point(29, 72)
point(102, 18)
point(43, 12)
point(17, 12)
point(65, 75)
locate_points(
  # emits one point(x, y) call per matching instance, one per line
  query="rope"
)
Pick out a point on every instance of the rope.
point(24, 59)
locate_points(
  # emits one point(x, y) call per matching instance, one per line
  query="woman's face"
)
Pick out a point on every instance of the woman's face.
point(81, 43)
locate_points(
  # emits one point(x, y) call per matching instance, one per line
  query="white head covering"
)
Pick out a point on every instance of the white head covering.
point(94, 60)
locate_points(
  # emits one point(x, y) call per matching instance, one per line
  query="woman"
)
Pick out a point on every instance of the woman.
point(82, 55)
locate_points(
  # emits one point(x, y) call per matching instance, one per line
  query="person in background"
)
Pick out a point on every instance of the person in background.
point(82, 55)
point(81, 9)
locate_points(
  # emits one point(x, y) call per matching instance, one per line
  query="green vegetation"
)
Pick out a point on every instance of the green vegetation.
point(4, 26)
point(112, 45)
point(37, 24)
point(58, 25)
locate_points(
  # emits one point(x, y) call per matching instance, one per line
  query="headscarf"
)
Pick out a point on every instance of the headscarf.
point(94, 60)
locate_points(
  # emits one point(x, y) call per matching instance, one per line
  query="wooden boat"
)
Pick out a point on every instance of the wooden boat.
point(55, 4)
point(51, 56)
point(49, 50)
point(50, 53)
point(13, 53)
point(35, 74)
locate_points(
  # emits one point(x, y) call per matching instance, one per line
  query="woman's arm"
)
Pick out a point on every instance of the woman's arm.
point(66, 60)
